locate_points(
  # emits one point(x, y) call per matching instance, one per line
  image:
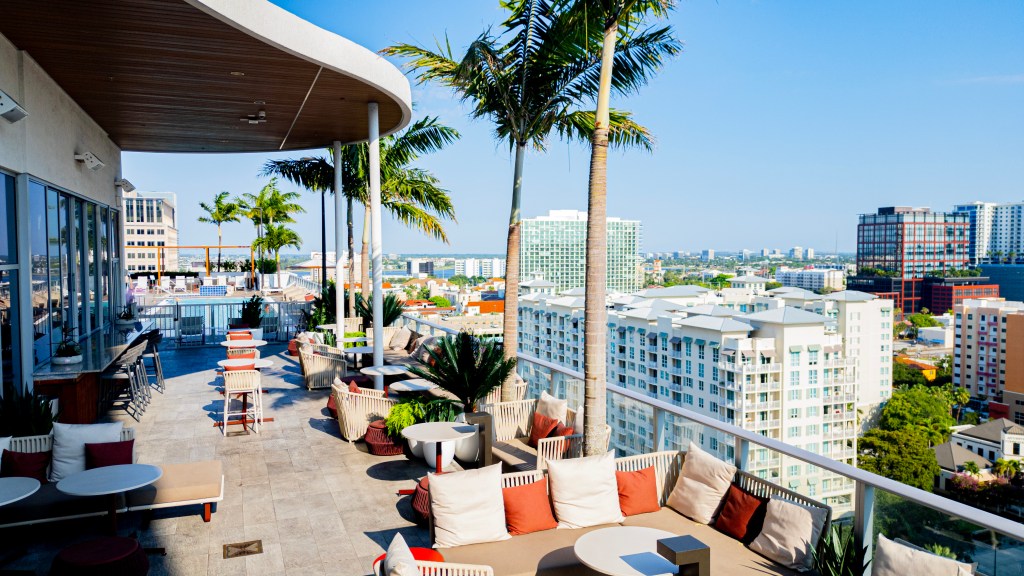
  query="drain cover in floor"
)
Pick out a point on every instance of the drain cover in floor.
point(243, 549)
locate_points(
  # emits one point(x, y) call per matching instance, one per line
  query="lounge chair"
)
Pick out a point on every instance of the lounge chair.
point(141, 285)
point(512, 424)
point(165, 283)
point(190, 330)
point(180, 284)
point(319, 370)
point(357, 409)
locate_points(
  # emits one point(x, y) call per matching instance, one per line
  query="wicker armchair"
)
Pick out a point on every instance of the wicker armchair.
point(518, 392)
point(389, 333)
point(320, 370)
point(512, 424)
point(357, 409)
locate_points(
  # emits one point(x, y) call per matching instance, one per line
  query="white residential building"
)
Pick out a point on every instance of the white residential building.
point(811, 278)
point(555, 246)
point(996, 230)
point(486, 267)
point(782, 371)
point(150, 221)
point(995, 439)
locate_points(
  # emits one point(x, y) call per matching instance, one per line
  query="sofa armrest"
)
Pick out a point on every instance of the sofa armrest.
point(558, 448)
point(427, 568)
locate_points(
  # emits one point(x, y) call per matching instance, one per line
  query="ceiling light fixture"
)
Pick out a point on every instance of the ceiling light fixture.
point(257, 118)
point(238, 73)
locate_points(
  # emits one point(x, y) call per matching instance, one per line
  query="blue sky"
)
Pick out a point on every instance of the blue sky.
point(777, 125)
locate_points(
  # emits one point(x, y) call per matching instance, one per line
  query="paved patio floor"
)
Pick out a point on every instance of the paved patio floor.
point(319, 504)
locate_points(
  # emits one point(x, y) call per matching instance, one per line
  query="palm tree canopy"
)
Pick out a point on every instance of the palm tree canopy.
point(270, 204)
point(222, 210)
point(276, 237)
point(542, 71)
point(412, 195)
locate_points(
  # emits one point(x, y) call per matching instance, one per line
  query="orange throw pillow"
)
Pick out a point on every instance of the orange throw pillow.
point(742, 515)
point(562, 430)
point(542, 427)
point(638, 491)
point(242, 367)
point(353, 387)
point(528, 509)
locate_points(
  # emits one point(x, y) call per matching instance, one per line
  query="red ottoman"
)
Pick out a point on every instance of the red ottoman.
point(102, 557)
point(421, 501)
point(378, 442)
point(423, 554)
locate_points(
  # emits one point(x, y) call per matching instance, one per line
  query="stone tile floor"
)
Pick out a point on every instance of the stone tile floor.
point(319, 504)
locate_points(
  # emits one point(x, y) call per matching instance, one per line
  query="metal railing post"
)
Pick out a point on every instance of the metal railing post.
point(742, 455)
point(864, 518)
point(659, 425)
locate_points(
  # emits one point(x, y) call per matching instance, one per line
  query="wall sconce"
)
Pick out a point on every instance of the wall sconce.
point(90, 160)
point(9, 109)
point(125, 184)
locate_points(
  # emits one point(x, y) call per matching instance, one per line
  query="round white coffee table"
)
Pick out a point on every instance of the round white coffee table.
point(355, 339)
point(14, 489)
point(412, 385)
point(110, 481)
point(624, 551)
point(386, 370)
point(243, 343)
point(438, 433)
point(358, 351)
point(237, 362)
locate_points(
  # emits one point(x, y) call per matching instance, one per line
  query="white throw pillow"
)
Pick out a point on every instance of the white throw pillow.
point(701, 486)
point(577, 422)
point(399, 560)
point(401, 339)
point(69, 442)
point(552, 407)
point(468, 507)
point(790, 532)
point(420, 353)
point(584, 491)
point(5, 444)
point(894, 559)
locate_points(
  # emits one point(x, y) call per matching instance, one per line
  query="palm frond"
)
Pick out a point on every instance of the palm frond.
point(623, 131)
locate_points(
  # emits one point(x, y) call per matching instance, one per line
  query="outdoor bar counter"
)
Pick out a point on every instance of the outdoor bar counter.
point(77, 386)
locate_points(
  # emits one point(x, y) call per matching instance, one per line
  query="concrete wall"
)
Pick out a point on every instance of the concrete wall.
point(44, 144)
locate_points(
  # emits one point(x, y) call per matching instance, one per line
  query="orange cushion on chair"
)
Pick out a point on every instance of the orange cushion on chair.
point(638, 491)
point(239, 335)
point(563, 430)
point(242, 367)
point(542, 426)
point(353, 387)
point(421, 554)
point(248, 354)
point(528, 509)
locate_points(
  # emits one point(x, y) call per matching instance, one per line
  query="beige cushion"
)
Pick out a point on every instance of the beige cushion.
point(790, 533)
point(181, 483)
point(401, 339)
point(468, 507)
point(516, 454)
point(584, 491)
point(69, 442)
point(702, 485)
point(894, 559)
point(399, 560)
point(577, 421)
point(552, 407)
point(420, 353)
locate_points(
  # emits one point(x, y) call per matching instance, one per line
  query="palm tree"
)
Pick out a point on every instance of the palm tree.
point(223, 210)
point(1001, 467)
point(617, 20)
point(412, 195)
point(971, 468)
point(268, 206)
point(276, 237)
point(960, 397)
point(535, 77)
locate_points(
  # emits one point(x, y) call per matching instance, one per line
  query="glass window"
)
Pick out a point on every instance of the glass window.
point(10, 343)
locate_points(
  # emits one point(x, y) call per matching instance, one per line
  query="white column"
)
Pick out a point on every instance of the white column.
point(375, 242)
point(339, 244)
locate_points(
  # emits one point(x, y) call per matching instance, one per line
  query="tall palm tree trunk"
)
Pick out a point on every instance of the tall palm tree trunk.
point(510, 328)
point(351, 261)
point(219, 242)
point(277, 260)
point(364, 257)
point(595, 314)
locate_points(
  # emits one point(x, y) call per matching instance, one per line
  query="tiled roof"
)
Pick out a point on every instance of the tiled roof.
point(951, 457)
point(785, 315)
point(850, 296)
point(993, 430)
point(714, 323)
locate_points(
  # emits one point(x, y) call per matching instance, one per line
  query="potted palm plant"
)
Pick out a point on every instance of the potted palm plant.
point(252, 316)
point(469, 369)
point(126, 317)
point(69, 351)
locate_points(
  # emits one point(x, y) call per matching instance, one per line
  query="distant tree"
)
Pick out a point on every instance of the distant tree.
point(423, 294)
point(960, 397)
point(904, 376)
point(441, 301)
point(921, 409)
point(221, 211)
point(923, 320)
point(459, 280)
point(901, 455)
point(772, 285)
point(971, 467)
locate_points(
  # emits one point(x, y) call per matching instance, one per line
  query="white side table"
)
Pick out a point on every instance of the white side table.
point(438, 433)
point(412, 385)
point(386, 370)
point(14, 489)
point(624, 551)
point(110, 481)
point(243, 343)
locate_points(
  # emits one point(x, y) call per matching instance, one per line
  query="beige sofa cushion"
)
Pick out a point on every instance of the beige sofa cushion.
point(181, 483)
point(790, 533)
point(545, 553)
point(584, 491)
point(401, 339)
point(69, 442)
point(399, 560)
point(468, 507)
point(702, 485)
point(548, 405)
point(894, 559)
point(728, 556)
point(516, 454)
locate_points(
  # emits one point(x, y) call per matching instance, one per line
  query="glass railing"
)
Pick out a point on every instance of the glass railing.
point(870, 503)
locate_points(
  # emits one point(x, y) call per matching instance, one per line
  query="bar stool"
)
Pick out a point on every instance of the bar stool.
point(243, 383)
point(253, 353)
point(122, 382)
point(152, 353)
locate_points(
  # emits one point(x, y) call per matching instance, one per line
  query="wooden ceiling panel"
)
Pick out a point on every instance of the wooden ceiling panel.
point(157, 75)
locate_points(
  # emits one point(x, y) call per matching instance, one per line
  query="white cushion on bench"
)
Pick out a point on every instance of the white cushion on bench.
point(894, 559)
point(790, 532)
point(468, 507)
point(584, 491)
point(69, 442)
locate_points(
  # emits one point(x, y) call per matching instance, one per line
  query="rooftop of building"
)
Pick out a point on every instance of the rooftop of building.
point(993, 430)
point(787, 315)
point(952, 457)
point(719, 324)
point(850, 296)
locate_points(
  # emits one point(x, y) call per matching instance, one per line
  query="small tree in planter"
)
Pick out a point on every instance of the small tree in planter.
point(126, 315)
point(469, 369)
point(23, 413)
point(69, 351)
point(252, 315)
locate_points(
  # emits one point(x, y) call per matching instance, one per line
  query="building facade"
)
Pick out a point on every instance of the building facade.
point(486, 267)
point(150, 222)
point(904, 244)
point(1009, 278)
point(419, 267)
point(940, 295)
point(555, 246)
point(996, 231)
point(811, 279)
point(988, 345)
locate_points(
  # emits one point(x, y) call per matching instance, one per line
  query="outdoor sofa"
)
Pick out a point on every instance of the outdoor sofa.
point(195, 483)
point(550, 552)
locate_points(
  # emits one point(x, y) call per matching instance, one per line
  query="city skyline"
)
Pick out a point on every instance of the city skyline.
point(836, 129)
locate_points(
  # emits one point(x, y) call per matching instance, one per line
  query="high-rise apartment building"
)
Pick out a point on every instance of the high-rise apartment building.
point(790, 373)
point(555, 246)
point(996, 231)
point(707, 255)
point(898, 246)
point(987, 353)
point(419, 267)
point(811, 278)
point(486, 267)
point(796, 253)
point(150, 221)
